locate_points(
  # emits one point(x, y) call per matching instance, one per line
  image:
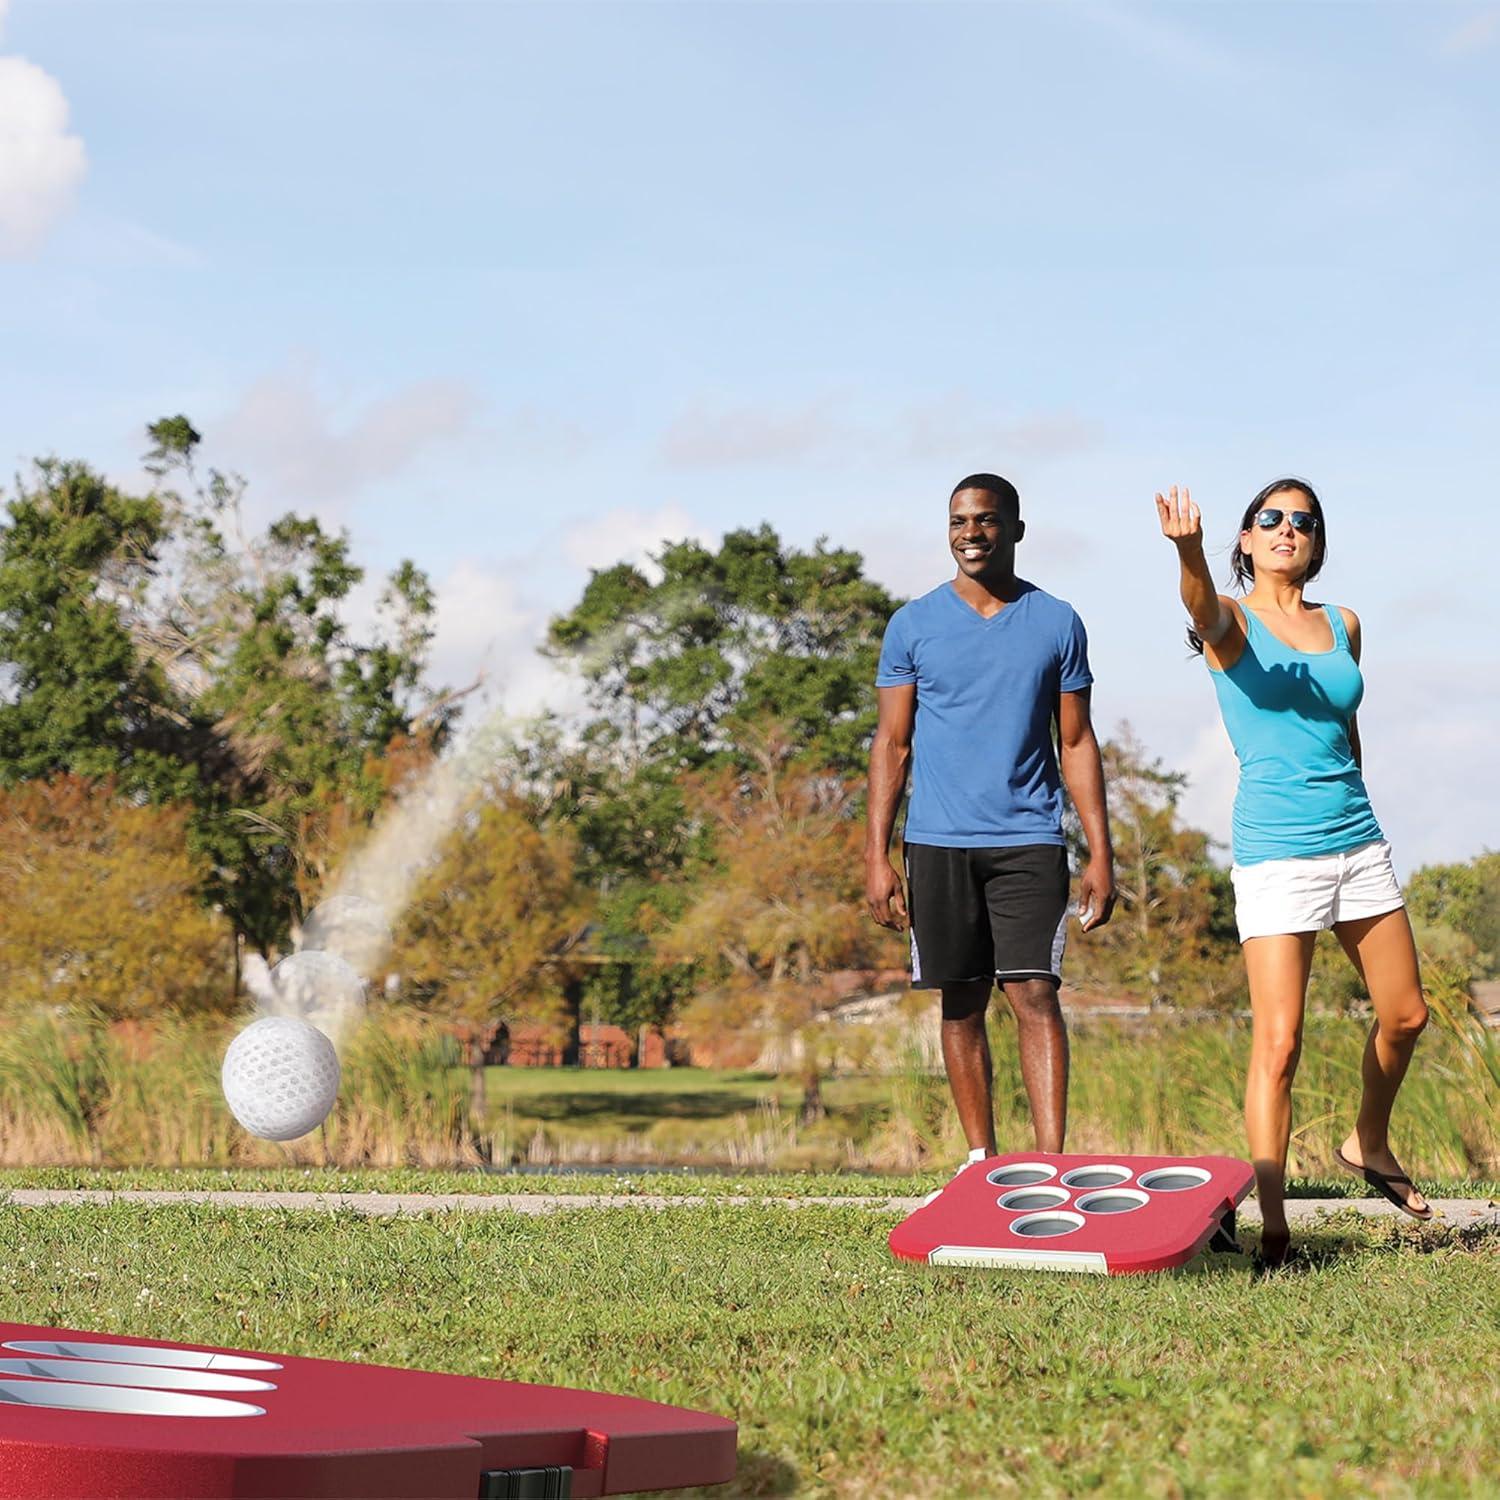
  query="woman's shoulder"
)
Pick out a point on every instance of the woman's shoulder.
point(1350, 622)
point(1348, 616)
point(1351, 628)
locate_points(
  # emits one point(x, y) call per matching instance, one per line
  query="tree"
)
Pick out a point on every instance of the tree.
point(1462, 899)
point(101, 905)
point(782, 903)
point(490, 927)
point(76, 557)
point(757, 632)
point(685, 665)
point(301, 710)
point(149, 639)
point(1172, 937)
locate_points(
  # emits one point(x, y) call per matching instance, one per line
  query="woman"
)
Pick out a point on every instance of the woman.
point(1308, 853)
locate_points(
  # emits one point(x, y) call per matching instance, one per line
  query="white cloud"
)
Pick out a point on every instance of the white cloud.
point(1429, 730)
point(1150, 35)
point(41, 164)
point(288, 437)
point(1213, 775)
point(1479, 32)
point(107, 240)
point(628, 535)
point(487, 628)
point(954, 428)
point(961, 432)
point(703, 438)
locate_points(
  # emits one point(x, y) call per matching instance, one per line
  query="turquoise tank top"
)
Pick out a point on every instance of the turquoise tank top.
point(1288, 713)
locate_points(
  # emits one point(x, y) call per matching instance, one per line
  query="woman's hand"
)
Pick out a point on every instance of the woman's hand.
point(1181, 520)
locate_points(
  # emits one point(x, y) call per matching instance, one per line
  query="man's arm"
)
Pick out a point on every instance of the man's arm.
point(890, 759)
point(1083, 771)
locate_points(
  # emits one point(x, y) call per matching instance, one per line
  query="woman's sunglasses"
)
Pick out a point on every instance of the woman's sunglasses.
point(1268, 519)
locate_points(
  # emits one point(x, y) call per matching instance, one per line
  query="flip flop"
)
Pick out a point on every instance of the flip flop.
point(1381, 1182)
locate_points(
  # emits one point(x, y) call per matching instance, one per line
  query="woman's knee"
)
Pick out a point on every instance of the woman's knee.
point(1274, 1054)
point(1403, 1024)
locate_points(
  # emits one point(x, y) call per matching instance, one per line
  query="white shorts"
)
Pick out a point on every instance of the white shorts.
point(1309, 895)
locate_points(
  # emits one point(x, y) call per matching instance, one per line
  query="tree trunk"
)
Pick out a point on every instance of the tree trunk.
point(573, 1046)
point(813, 1108)
point(478, 1105)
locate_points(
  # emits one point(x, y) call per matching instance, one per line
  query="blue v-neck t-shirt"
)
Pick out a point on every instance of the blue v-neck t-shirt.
point(984, 769)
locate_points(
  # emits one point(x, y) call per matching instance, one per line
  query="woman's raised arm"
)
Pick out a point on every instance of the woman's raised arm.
point(1182, 524)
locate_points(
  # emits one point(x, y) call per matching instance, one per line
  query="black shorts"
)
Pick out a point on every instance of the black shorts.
point(986, 913)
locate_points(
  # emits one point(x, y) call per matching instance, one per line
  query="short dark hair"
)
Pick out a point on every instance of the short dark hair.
point(1002, 489)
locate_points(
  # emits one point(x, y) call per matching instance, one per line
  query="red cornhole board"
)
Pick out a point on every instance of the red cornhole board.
point(92, 1414)
point(1112, 1215)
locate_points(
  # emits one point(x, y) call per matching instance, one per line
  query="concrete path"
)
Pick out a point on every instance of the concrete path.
point(1462, 1213)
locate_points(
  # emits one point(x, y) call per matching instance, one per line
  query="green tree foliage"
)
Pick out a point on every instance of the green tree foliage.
point(1172, 937)
point(1457, 908)
point(490, 927)
point(685, 670)
point(76, 557)
point(779, 906)
point(152, 639)
point(755, 633)
point(101, 908)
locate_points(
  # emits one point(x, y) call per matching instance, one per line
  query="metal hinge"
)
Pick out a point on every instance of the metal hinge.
point(554, 1482)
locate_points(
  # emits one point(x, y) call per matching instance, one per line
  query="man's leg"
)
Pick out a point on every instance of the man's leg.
point(1026, 891)
point(1042, 1042)
point(966, 1055)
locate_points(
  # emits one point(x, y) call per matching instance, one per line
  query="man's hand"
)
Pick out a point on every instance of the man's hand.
point(883, 893)
point(1096, 894)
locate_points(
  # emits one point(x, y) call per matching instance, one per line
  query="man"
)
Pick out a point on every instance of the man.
point(972, 678)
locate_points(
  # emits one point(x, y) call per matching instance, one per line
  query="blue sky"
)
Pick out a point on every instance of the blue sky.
point(518, 290)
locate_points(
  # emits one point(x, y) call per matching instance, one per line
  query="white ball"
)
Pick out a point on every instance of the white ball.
point(319, 988)
point(351, 927)
point(280, 1077)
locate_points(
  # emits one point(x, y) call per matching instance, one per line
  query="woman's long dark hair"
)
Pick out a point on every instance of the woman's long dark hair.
point(1242, 565)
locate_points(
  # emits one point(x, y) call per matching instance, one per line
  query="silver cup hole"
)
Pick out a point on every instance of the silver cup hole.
point(1048, 1224)
point(1029, 1199)
point(1022, 1174)
point(1112, 1201)
point(1173, 1179)
point(1096, 1175)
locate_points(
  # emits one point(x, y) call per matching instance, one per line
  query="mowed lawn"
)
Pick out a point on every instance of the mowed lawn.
point(849, 1373)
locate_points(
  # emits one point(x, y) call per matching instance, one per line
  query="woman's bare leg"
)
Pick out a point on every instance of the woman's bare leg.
point(1277, 968)
point(1384, 952)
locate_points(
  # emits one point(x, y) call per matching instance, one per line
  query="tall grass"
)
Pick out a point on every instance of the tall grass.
point(77, 1092)
point(1176, 1088)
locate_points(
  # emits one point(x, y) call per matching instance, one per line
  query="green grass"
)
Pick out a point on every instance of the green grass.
point(850, 1373)
point(617, 1181)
